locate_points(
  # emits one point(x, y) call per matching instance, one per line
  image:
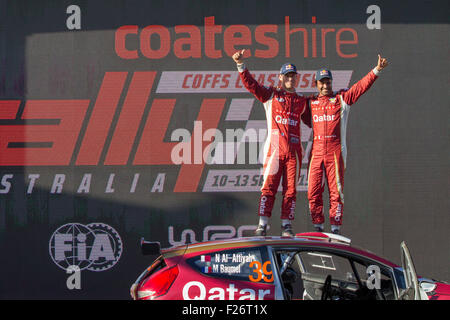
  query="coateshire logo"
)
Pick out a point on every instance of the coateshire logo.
point(93, 247)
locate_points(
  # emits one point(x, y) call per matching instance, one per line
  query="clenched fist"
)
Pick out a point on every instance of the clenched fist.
point(238, 56)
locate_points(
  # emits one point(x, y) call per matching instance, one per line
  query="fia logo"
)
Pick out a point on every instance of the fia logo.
point(93, 247)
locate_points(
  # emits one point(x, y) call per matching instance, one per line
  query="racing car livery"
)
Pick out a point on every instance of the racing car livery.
point(309, 266)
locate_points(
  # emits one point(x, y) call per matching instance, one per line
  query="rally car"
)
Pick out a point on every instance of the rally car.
point(309, 266)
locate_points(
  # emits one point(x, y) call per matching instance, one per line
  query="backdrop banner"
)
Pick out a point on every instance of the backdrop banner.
point(128, 119)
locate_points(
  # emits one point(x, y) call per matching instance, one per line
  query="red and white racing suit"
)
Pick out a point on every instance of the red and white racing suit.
point(282, 149)
point(328, 155)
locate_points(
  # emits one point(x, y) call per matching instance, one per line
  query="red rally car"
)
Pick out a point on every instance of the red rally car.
point(309, 266)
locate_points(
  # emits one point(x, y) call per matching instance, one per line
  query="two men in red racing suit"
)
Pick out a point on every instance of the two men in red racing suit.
point(328, 114)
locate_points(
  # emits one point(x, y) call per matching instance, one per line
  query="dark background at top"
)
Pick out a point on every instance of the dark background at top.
point(396, 183)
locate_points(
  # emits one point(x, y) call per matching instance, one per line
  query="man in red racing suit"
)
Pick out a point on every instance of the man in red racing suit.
point(329, 112)
point(283, 149)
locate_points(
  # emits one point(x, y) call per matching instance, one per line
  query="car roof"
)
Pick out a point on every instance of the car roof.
point(316, 239)
point(235, 243)
point(255, 241)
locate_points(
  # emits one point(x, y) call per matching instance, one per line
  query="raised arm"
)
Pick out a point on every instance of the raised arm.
point(358, 89)
point(261, 93)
